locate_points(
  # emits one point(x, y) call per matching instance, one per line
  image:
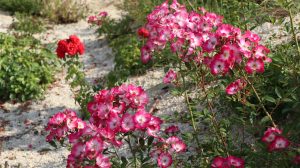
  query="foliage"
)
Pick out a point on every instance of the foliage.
point(64, 11)
point(26, 68)
point(31, 7)
point(57, 11)
point(126, 47)
point(27, 24)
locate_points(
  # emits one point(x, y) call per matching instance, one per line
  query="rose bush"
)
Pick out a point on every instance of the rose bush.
point(219, 70)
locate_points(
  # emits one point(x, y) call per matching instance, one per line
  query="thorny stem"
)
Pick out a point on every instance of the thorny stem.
point(293, 29)
point(216, 125)
point(189, 107)
point(133, 152)
point(116, 152)
point(190, 110)
point(192, 117)
point(192, 6)
point(213, 119)
point(260, 101)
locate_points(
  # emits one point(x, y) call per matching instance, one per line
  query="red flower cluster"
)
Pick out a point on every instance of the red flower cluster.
point(275, 141)
point(97, 19)
point(203, 38)
point(113, 113)
point(228, 162)
point(143, 32)
point(70, 47)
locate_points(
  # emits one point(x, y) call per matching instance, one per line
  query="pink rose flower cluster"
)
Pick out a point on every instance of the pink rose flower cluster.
point(228, 162)
point(203, 38)
point(236, 86)
point(113, 113)
point(275, 141)
point(170, 76)
point(97, 19)
point(164, 148)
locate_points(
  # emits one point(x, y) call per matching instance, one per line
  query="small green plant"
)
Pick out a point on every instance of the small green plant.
point(26, 68)
point(27, 24)
point(122, 38)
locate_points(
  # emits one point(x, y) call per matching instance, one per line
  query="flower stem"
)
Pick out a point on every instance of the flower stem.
point(132, 151)
point(260, 102)
point(293, 29)
point(189, 106)
point(214, 121)
point(192, 118)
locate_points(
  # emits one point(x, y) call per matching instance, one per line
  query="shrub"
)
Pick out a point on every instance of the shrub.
point(64, 11)
point(31, 7)
point(121, 34)
point(125, 45)
point(57, 11)
point(26, 68)
point(27, 24)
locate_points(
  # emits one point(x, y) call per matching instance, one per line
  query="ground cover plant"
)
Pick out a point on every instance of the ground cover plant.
point(26, 68)
point(242, 100)
point(36, 11)
point(27, 24)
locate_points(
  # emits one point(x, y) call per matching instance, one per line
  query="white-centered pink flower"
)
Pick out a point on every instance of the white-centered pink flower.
point(255, 65)
point(141, 119)
point(164, 160)
point(94, 147)
point(127, 123)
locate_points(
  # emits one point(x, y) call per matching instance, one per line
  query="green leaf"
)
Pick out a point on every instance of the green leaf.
point(278, 92)
point(150, 141)
point(124, 161)
point(264, 120)
point(269, 99)
point(52, 143)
